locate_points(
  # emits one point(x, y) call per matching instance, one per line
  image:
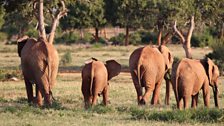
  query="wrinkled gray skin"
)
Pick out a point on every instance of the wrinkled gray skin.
point(95, 77)
point(148, 65)
point(39, 61)
point(189, 76)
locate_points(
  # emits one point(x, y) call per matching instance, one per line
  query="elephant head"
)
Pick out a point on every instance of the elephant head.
point(212, 72)
point(20, 43)
point(167, 56)
point(113, 68)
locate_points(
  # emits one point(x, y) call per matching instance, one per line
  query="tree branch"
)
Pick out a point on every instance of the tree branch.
point(178, 33)
point(159, 37)
point(61, 13)
point(42, 32)
point(167, 38)
point(190, 31)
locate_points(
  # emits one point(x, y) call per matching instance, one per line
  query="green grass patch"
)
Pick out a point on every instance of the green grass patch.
point(201, 115)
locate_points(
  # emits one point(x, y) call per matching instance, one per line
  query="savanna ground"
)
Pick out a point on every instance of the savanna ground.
point(122, 110)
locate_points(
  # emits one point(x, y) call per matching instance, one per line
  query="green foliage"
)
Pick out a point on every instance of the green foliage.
point(118, 39)
point(181, 116)
point(217, 54)
point(32, 32)
point(66, 59)
point(202, 40)
point(67, 38)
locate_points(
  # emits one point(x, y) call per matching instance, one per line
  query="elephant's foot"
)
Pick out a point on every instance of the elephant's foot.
point(142, 102)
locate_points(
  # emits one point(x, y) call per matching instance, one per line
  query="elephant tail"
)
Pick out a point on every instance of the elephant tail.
point(91, 81)
point(139, 73)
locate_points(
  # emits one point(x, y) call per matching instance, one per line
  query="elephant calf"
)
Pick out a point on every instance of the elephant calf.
point(189, 76)
point(95, 77)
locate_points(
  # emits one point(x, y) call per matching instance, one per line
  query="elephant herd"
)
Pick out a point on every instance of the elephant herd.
point(148, 65)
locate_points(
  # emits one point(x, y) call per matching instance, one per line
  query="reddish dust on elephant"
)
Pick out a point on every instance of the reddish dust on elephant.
point(148, 66)
point(189, 76)
point(95, 77)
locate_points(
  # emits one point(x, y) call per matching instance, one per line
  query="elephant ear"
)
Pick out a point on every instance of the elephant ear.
point(113, 68)
point(167, 56)
point(209, 69)
point(21, 43)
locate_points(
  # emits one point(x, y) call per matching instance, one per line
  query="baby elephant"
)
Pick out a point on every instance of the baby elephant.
point(95, 77)
point(189, 76)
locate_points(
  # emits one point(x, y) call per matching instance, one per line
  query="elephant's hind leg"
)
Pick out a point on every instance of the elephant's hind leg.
point(29, 90)
point(138, 87)
point(186, 99)
point(194, 102)
point(105, 95)
point(43, 85)
point(156, 92)
point(38, 96)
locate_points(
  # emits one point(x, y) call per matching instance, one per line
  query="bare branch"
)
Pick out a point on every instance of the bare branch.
point(167, 38)
point(159, 37)
point(179, 33)
point(190, 31)
point(61, 13)
point(35, 11)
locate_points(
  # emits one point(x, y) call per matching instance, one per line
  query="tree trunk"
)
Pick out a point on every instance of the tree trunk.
point(127, 36)
point(96, 35)
point(187, 49)
point(42, 32)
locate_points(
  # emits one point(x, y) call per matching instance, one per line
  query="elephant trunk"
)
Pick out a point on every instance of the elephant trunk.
point(216, 92)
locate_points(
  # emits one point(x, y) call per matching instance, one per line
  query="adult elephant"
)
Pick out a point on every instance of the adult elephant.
point(39, 62)
point(189, 76)
point(95, 77)
point(148, 65)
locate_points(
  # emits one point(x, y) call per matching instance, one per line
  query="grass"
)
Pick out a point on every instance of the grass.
point(68, 109)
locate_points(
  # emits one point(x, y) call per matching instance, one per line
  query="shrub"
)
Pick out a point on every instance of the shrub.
point(135, 38)
point(202, 40)
point(67, 38)
point(147, 37)
point(66, 59)
point(32, 32)
point(217, 53)
point(118, 39)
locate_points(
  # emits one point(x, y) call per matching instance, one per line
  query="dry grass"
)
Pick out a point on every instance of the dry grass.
point(68, 110)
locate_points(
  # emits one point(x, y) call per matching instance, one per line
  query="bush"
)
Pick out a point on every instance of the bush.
point(119, 39)
point(202, 40)
point(217, 54)
point(32, 33)
point(147, 37)
point(66, 59)
point(67, 38)
point(135, 38)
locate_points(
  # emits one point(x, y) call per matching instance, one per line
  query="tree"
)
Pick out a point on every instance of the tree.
point(56, 14)
point(97, 16)
point(129, 13)
point(77, 18)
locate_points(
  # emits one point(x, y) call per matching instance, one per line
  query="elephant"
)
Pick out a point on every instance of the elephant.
point(148, 66)
point(189, 76)
point(39, 63)
point(95, 77)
